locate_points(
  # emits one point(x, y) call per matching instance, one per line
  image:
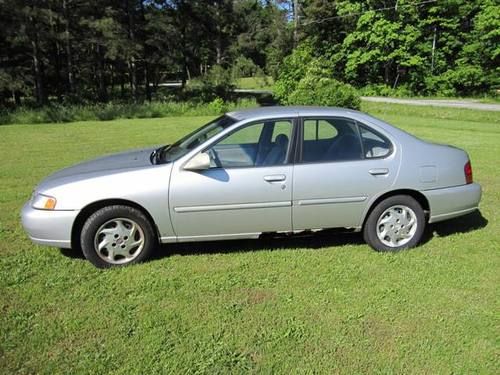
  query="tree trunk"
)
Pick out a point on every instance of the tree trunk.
point(56, 56)
point(37, 63)
point(295, 10)
point(131, 61)
point(218, 35)
point(122, 83)
point(218, 51)
point(17, 98)
point(434, 39)
point(38, 72)
point(67, 47)
point(387, 72)
point(184, 58)
point(101, 82)
point(133, 77)
point(184, 70)
point(156, 78)
point(57, 71)
point(145, 57)
point(146, 82)
point(112, 80)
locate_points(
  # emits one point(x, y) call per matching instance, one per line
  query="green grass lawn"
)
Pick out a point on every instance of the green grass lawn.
point(256, 83)
point(326, 304)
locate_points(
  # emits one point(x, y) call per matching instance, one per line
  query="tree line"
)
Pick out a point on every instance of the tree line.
point(444, 47)
point(96, 50)
point(101, 50)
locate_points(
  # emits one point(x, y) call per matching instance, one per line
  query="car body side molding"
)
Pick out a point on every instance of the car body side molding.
point(241, 206)
point(310, 202)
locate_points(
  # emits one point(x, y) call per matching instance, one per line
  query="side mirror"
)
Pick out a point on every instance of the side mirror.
point(199, 162)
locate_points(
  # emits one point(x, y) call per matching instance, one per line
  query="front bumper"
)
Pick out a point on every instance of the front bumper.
point(50, 228)
point(452, 202)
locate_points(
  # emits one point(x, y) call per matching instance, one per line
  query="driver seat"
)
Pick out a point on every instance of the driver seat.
point(277, 153)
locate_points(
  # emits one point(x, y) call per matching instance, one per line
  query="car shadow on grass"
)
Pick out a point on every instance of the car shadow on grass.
point(311, 241)
point(463, 224)
point(319, 240)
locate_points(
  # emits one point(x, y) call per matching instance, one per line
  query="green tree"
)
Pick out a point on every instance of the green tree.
point(293, 69)
point(380, 50)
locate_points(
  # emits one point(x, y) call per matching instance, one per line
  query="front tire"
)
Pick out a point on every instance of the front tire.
point(117, 236)
point(396, 223)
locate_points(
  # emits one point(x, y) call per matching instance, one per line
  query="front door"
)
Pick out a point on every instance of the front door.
point(246, 191)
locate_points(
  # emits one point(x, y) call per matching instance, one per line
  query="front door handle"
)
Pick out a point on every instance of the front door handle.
point(378, 171)
point(275, 178)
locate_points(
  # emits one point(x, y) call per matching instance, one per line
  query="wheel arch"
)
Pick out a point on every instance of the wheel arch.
point(89, 209)
point(415, 194)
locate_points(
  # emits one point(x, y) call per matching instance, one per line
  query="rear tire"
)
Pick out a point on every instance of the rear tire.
point(117, 235)
point(396, 223)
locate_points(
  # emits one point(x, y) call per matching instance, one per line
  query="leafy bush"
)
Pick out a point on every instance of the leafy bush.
point(244, 67)
point(217, 105)
point(464, 80)
point(324, 92)
point(217, 83)
point(293, 69)
point(311, 83)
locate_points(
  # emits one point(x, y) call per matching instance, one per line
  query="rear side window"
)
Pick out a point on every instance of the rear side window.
point(330, 139)
point(374, 145)
point(318, 129)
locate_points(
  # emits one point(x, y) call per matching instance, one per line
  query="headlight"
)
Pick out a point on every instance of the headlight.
point(43, 202)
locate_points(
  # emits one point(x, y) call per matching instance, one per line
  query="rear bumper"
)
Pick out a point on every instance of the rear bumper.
point(50, 228)
point(452, 202)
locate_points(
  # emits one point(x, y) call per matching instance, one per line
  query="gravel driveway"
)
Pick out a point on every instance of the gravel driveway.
point(470, 104)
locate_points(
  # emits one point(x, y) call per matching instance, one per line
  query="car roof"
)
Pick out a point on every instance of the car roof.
point(282, 111)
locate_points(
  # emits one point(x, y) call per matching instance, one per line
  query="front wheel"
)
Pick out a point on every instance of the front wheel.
point(396, 223)
point(116, 236)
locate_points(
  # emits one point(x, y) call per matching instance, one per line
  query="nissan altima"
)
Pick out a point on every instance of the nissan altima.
point(270, 170)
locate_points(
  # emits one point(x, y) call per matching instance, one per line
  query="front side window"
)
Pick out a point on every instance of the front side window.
point(264, 143)
point(331, 139)
point(184, 145)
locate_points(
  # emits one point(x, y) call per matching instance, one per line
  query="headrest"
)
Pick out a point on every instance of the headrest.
point(281, 140)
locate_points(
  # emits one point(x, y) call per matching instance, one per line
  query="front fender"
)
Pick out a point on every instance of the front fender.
point(147, 187)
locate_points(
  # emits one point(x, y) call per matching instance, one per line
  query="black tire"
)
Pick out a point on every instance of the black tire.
point(395, 229)
point(103, 220)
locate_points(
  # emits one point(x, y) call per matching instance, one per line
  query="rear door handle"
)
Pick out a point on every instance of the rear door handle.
point(275, 178)
point(378, 171)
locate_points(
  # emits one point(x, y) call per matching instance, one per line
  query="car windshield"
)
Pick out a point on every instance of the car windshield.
point(180, 148)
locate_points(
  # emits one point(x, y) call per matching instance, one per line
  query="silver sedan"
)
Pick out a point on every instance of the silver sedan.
point(272, 170)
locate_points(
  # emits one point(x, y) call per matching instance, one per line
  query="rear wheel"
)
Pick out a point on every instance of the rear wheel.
point(396, 223)
point(117, 236)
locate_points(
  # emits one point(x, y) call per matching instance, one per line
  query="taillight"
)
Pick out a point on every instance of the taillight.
point(468, 173)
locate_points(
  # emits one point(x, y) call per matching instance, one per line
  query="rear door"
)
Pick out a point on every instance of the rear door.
point(341, 165)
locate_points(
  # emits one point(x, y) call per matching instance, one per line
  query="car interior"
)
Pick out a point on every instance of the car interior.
point(330, 140)
point(256, 145)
